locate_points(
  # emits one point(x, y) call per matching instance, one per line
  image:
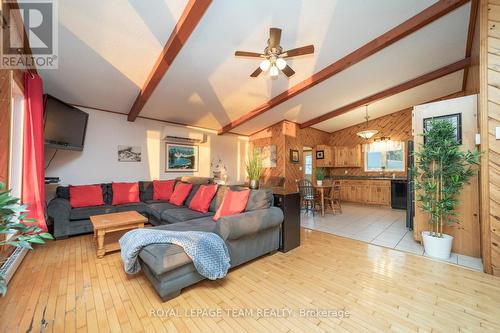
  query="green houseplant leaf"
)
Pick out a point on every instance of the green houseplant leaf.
point(23, 231)
point(254, 166)
point(441, 170)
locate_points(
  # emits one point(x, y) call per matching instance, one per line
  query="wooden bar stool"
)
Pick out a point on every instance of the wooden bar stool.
point(334, 198)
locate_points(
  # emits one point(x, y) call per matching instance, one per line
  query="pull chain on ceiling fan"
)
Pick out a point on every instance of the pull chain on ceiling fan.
point(274, 56)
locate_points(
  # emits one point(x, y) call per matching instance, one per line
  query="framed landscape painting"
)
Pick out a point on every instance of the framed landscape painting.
point(181, 158)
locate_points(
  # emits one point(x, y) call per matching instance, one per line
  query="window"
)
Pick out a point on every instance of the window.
point(307, 163)
point(384, 155)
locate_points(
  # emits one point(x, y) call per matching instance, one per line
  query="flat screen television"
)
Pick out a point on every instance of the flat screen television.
point(64, 125)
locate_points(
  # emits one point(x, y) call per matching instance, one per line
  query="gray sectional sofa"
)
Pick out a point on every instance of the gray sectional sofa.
point(248, 235)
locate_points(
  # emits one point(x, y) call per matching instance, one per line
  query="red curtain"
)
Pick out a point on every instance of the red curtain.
point(33, 188)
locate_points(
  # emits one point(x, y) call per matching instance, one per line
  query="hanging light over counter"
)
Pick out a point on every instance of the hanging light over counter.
point(367, 133)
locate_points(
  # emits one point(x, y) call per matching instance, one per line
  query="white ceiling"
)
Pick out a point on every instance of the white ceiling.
point(107, 49)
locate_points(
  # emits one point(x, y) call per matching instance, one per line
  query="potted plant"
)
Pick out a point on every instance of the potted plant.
point(320, 175)
point(254, 170)
point(13, 222)
point(441, 171)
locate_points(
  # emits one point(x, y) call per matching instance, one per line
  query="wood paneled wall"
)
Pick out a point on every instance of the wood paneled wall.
point(472, 83)
point(466, 232)
point(489, 111)
point(296, 139)
point(286, 136)
point(273, 135)
point(396, 125)
point(5, 115)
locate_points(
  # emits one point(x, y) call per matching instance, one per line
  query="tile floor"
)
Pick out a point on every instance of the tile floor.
point(379, 226)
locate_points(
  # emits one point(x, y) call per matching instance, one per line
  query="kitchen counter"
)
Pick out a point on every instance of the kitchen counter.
point(365, 178)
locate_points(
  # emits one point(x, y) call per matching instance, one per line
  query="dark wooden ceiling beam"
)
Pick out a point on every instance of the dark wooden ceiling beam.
point(436, 74)
point(411, 25)
point(474, 8)
point(187, 23)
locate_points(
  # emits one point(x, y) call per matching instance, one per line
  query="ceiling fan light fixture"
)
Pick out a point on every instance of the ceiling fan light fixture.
point(264, 65)
point(280, 63)
point(274, 72)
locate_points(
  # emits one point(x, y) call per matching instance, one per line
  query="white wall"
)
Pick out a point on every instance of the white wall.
point(98, 162)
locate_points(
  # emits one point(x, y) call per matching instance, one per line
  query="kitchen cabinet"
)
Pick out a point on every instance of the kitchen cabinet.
point(347, 156)
point(327, 160)
point(374, 192)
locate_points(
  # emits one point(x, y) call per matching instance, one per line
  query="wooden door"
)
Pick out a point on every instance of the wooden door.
point(467, 232)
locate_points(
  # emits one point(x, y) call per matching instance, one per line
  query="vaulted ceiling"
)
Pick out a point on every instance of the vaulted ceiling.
point(108, 48)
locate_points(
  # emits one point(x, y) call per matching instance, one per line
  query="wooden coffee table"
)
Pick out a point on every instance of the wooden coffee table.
point(110, 224)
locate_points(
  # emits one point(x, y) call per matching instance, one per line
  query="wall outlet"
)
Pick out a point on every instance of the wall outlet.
point(300, 168)
point(478, 139)
point(497, 133)
point(346, 172)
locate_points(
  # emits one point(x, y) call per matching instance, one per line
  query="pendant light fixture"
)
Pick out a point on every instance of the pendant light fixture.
point(367, 133)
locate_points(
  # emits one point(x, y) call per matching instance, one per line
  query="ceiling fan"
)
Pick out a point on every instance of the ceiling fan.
point(274, 56)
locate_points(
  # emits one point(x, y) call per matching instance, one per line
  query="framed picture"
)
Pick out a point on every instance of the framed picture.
point(129, 153)
point(320, 154)
point(181, 158)
point(455, 119)
point(268, 156)
point(294, 156)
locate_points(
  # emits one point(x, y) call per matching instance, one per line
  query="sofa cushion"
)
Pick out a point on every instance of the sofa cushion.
point(181, 192)
point(191, 195)
point(162, 258)
point(145, 190)
point(85, 196)
point(234, 203)
point(218, 198)
point(124, 193)
point(182, 214)
point(259, 199)
point(202, 199)
point(163, 189)
point(139, 207)
point(62, 192)
point(156, 208)
point(86, 212)
point(195, 180)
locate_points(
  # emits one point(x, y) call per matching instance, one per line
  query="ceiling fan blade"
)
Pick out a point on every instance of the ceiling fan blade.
point(248, 54)
point(256, 72)
point(288, 71)
point(298, 51)
point(274, 37)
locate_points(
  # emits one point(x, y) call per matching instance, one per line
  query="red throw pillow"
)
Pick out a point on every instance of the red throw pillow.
point(163, 189)
point(85, 196)
point(234, 203)
point(124, 193)
point(202, 198)
point(180, 194)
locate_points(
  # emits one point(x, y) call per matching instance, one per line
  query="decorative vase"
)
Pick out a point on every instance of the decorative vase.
point(254, 184)
point(319, 182)
point(437, 247)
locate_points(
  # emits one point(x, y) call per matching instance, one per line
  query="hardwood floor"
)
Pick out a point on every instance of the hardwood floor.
point(63, 287)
